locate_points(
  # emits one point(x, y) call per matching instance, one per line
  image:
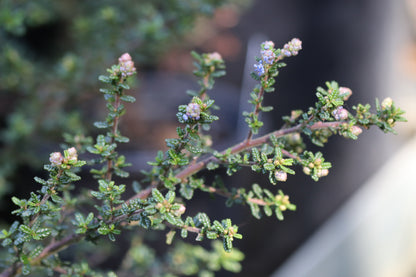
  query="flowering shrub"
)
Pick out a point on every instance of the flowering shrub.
point(56, 216)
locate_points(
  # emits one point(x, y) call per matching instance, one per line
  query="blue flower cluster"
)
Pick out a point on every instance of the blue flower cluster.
point(267, 57)
point(193, 111)
point(259, 68)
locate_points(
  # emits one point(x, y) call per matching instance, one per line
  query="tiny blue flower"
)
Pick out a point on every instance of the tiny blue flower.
point(268, 56)
point(259, 69)
point(268, 45)
point(185, 117)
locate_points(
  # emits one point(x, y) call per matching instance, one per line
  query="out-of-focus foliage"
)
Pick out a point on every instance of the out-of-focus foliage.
point(50, 55)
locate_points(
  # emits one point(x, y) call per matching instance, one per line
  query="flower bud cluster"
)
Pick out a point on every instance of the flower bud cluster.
point(317, 166)
point(356, 130)
point(284, 201)
point(340, 113)
point(57, 159)
point(214, 57)
point(267, 52)
point(267, 58)
point(126, 65)
point(386, 104)
point(292, 48)
point(193, 111)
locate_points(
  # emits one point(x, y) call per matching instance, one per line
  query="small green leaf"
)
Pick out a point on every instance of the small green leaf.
point(184, 233)
point(279, 214)
point(128, 98)
point(157, 195)
point(255, 210)
point(258, 190)
point(25, 229)
point(267, 210)
point(228, 244)
point(212, 235)
point(269, 166)
point(101, 125)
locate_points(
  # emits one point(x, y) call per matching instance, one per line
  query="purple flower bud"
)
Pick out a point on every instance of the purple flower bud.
point(193, 110)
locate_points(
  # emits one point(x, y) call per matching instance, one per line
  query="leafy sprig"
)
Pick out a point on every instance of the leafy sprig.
point(52, 219)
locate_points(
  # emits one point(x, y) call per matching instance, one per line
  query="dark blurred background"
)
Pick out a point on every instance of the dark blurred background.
point(350, 41)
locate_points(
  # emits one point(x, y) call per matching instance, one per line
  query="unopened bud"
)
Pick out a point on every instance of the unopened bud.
point(345, 93)
point(124, 58)
point(72, 154)
point(213, 57)
point(386, 104)
point(268, 45)
point(356, 130)
point(322, 172)
point(126, 65)
point(306, 170)
point(340, 113)
point(56, 158)
point(292, 47)
point(180, 211)
point(280, 175)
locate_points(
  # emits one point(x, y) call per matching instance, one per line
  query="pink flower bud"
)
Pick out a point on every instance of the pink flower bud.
point(213, 57)
point(56, 158)
point(124, 58)
point(126, 65)
point(180, 211)
point(345, 93)
point(340, 113)
point(356, 130)
point(72, 154)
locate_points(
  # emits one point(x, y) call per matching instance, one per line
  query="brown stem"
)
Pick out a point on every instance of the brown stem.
point(109, 173)
point(257, 109)
point(195, 167)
